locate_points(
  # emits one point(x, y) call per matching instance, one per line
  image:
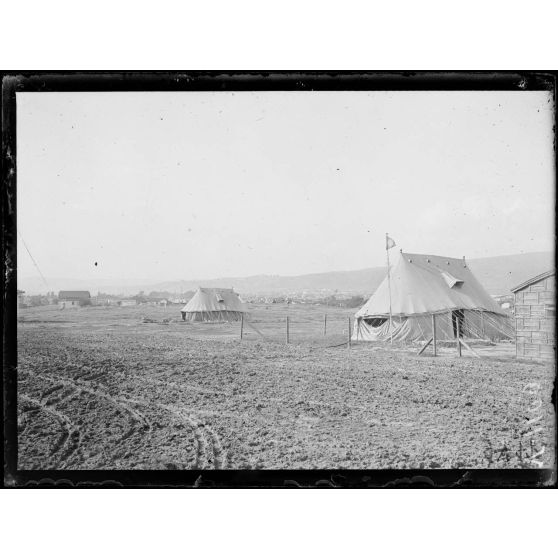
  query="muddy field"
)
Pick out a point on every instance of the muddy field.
point(136, 388)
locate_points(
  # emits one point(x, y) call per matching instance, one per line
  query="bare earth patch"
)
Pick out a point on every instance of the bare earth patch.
point(105, 390)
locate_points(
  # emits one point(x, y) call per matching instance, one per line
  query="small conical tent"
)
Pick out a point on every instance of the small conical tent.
point(214, 305)
point(422, 286)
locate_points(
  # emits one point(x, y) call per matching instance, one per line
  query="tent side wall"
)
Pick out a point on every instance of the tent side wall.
point(218, 316)
point(473, 324)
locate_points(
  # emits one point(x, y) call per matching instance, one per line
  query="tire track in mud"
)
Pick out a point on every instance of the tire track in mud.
point(209, 450)
point(87, 374)
point(118, 402)
point(69, 442)
point(135, 417)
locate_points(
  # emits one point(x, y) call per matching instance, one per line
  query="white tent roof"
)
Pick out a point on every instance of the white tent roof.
point(423, 284)
point(215, 300)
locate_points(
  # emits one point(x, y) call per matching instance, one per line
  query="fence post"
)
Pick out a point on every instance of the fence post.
point(241, 326)
point(434, 332)
point(458, 336)
point(349, 336)
point(325, 324)
point(287, 332)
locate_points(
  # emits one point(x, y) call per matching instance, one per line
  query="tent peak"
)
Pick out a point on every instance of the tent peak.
point(427, 284)
point(432, 258)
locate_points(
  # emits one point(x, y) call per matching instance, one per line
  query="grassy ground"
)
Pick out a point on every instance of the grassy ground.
point(138, 388)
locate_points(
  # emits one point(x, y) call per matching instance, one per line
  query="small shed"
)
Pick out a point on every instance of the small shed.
point(73, 299)
point(535, 314)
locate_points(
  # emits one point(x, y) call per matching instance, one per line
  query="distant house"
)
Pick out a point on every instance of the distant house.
point(535, 314)
point(127, 302)
point(73, 299)
point(177, 301)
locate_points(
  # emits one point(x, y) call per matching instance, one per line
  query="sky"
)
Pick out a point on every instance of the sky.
point(190, 185)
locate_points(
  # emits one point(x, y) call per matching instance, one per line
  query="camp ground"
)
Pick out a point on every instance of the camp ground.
point(205, 280)
point(414, 378)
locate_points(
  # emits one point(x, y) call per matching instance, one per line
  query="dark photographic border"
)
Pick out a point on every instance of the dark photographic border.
point(65, 81)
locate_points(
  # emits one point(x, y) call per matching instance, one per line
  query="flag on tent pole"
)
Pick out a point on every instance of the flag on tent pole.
point(390, 243)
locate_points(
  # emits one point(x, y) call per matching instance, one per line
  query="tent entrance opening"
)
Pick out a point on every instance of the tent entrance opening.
point(457, 317)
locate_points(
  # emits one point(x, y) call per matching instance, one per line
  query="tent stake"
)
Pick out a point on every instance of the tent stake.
point(424, 346)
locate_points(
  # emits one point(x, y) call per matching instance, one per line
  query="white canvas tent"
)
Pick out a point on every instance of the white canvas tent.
point(423, 285)
point(214, 305)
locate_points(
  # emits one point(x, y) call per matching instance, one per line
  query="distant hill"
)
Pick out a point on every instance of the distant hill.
point(498, 275)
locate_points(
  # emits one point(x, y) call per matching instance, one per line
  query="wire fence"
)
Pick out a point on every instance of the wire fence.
point(336, 328)
point(312, 325)
point(321, 329)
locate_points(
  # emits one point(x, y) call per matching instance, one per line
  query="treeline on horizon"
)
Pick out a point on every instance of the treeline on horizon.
point(341, 301)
